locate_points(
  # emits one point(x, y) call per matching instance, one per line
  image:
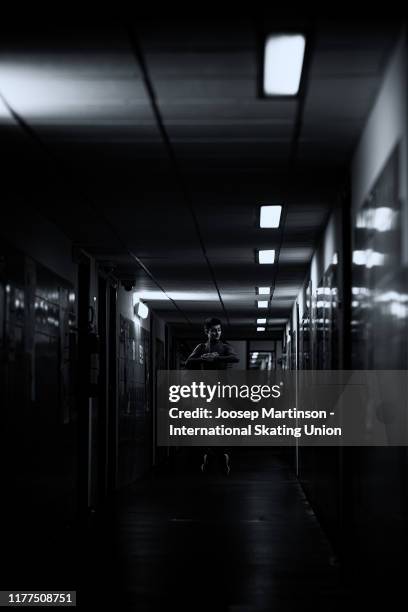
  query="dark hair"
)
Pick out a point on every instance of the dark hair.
point(208, 323)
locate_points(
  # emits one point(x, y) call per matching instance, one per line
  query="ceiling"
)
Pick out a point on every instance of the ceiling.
point(160, 150)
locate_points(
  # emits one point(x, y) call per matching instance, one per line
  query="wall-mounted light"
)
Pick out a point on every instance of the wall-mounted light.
point(266, 256)
point(263, 290)
point(142, 310)
point(261, 321)
point(260, 329)
point(283, 62)
point(269, 216)
point(262, 303)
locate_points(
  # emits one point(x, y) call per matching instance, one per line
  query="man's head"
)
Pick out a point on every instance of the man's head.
point(212, 329)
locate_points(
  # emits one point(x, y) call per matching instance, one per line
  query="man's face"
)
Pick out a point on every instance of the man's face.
point(214, 333)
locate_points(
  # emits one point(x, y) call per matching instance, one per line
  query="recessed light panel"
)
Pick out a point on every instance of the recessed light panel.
point(270, 216)
point(283, 64)
point(266, 256)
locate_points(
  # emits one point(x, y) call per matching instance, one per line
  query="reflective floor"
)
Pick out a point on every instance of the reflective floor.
point(179, 539)
point(249, 541)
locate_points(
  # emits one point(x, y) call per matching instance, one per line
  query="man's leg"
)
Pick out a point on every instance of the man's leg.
point(227, 461)
point(206, 459)
point(216, 456)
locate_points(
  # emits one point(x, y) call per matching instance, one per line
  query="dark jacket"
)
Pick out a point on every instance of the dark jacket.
point(226, 355)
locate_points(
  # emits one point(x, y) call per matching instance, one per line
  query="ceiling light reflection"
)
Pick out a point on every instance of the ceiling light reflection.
point(381, 219)
point(183, 296)
point(368, 258)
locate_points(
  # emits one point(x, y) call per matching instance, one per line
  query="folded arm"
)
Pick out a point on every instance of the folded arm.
point(229, 357)
point(196, 356)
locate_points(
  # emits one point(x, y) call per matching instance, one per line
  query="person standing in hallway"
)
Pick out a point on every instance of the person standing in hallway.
point(214, 354)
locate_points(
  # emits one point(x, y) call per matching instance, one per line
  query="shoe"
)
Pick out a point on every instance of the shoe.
point(204, 464)
point(227, 464)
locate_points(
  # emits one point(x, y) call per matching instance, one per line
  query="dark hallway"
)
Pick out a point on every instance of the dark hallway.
point(207, 201)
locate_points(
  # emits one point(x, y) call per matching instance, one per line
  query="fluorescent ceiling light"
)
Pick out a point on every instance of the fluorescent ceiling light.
point(283, 64)
point(266, 256)
point(142, 310)
point(262, 303)
point(264, 290)
point(261, 321)
point(270, 216)
point(260, 329)
point(46, 88)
